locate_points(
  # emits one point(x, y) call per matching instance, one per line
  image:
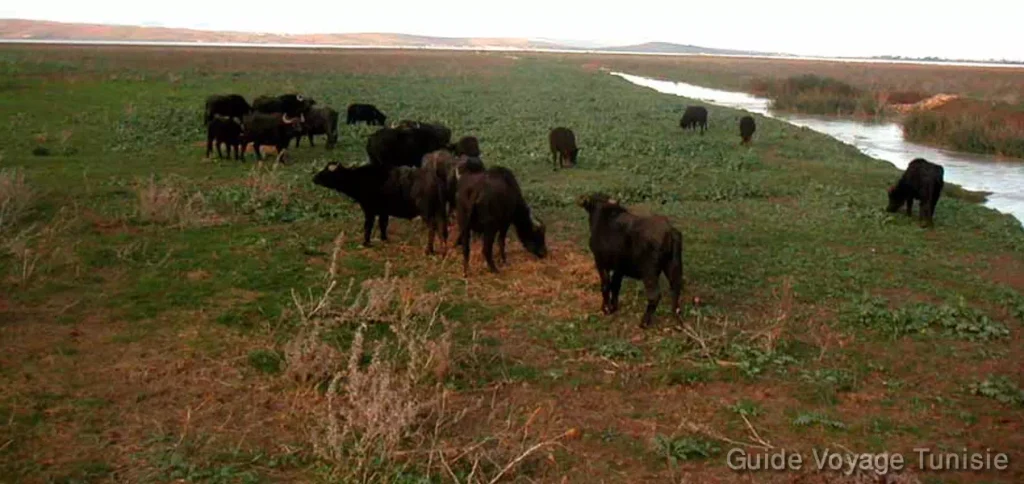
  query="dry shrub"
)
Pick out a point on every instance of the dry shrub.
point(40, 244)
point(16, 198)
point(377, 418)
point(163, 201)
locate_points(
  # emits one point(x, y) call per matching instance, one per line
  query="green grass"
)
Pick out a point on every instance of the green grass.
point(812, 295)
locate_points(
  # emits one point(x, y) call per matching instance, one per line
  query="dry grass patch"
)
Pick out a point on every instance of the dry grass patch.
point(16, 198)
point(164, 201)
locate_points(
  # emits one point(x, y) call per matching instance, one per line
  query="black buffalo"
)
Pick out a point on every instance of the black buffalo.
point(320, 120)
point(562, 142)
point(294, 105)
point(229, 105)
point(747, 128)
point(384, 192)
point(223, 130)
point(366, 113)
point(275, 130)
point(694, 117)
point(627, 245)
point(467, 146)
point(922, 181)
point(405, 146)
point(488, 203)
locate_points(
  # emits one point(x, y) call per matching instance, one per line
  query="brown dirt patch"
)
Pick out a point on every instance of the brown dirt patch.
point(1009, 270)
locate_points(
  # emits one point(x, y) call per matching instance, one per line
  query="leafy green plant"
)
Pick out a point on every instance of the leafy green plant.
point(958, 320)
point(266, 361)
point(746, 408)
point(828, 382)
point(999, 388)
point(809, 419)
point(753, 361)
point(684, 448)
point(619, 350)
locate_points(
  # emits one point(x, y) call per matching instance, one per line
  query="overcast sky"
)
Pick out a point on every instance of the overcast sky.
point(979, 29)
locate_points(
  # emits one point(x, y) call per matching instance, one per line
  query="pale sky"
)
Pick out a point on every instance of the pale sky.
point(979, 29)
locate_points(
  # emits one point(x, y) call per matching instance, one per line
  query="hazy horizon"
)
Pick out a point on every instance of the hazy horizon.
point(911, 29)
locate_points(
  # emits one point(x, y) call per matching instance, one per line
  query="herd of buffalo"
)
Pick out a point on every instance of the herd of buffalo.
point(415, 170)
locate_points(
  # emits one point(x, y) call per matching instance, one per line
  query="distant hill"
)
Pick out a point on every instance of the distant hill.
point(17, 29)
point(670, 48)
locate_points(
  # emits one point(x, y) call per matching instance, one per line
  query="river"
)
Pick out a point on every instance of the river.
point(1004, 180)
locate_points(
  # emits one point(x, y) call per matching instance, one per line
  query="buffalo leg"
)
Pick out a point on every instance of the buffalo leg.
point(367, 228)
point(431, 231)
point(384, 228)
point(910, 207)
point(488, 242)
point(464, 240)
point(443, 222)
point(220, 155)
point(311, 140)
point(653, 296)
point(613, 290)
point(674, 273)
point(555, 160)
point(606, 290)
point(256, 150)
point(209, 145)
point(501, 245)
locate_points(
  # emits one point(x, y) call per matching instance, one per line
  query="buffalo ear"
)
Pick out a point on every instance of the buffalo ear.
point(332, 167)
point(892, 189)
point(582, 200)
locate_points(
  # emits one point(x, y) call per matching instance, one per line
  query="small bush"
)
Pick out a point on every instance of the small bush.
point(265, 361)
point(163, 201)
point(16, 198)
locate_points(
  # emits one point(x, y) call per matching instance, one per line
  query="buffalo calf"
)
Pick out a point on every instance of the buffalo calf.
point(627, 245)
point(364, 113)
point(224, 131)
point(695, 117)
point(562, 142)
point(747, 128)
point(922, 181)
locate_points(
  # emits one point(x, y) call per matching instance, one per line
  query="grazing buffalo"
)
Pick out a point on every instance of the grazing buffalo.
point(747, 128)
point(320, 120)
point(627, 245)
point(228, 105)
point(276, 130)
point(922, 180)
point(695, 117)
point(488, 203)
point(383, 192)
point(226, 131)
point(294, 105)
point(562, 142)
point(366, 113)
point(405, 146)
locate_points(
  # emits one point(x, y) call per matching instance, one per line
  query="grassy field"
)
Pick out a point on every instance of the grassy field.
point(989, 119)
point(165, 317)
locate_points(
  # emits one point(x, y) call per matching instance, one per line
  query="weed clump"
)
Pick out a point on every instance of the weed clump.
point(958, 320)
point(999, 388)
